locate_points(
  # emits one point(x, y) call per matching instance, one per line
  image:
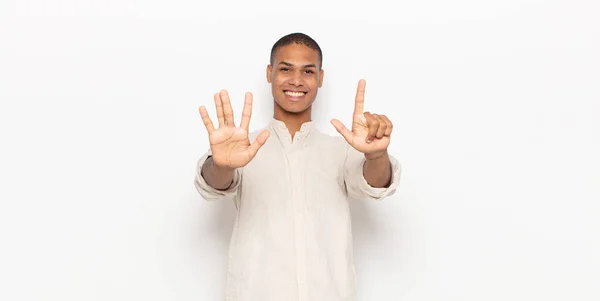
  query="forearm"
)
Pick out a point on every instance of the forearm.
point(215, 176)
point(377, 170)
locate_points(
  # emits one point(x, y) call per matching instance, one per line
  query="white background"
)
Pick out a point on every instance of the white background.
point(496, 108)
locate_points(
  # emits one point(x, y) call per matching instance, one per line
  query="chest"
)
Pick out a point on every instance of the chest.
point(310, 173)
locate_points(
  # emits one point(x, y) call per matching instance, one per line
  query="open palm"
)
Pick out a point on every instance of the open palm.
point(230, 145)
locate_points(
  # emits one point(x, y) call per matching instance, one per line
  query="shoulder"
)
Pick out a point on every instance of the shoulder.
point(330, 140)
point(254, 133)
point(329, 145)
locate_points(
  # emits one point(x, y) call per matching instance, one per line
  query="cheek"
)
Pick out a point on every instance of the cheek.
point(313, 82)
point(279, 80)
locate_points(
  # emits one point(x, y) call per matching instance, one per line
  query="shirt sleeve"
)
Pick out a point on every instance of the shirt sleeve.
point(356, 184)
point(208, 192)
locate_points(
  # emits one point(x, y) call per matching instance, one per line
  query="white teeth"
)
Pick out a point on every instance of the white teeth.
point(295, 94)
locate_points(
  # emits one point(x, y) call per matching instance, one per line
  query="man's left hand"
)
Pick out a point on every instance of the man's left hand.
point(370, 132)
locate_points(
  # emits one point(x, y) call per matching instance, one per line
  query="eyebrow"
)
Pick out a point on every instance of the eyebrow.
point(290, 65)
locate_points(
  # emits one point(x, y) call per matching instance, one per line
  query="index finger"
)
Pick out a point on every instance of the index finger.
point(247, 112)
point(360, 97)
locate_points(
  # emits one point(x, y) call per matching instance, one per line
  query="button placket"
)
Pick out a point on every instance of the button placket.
point(300, 231)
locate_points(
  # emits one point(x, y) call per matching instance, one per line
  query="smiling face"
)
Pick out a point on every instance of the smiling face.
point(295, 77)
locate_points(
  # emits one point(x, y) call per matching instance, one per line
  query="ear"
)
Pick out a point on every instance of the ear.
point(269, 72)
point(321, 74)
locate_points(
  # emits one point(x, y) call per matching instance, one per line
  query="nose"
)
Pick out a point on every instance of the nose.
point(295, 79)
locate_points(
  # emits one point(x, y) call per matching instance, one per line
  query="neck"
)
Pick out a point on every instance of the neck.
point(293, 121)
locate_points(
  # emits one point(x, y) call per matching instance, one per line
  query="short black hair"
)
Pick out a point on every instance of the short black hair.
point(297, 38)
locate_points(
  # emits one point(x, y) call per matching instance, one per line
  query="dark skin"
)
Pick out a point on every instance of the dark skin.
point(295, 77)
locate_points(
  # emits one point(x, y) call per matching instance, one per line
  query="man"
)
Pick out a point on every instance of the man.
point(291, 184)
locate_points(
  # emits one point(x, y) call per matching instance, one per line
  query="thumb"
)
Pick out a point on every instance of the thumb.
point(339, 126)
point(258, 143)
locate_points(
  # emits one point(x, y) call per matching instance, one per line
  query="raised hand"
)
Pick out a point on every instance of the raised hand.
point(370, 132)
point(230, 145)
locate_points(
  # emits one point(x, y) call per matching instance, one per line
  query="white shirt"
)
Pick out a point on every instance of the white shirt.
point(292, 237)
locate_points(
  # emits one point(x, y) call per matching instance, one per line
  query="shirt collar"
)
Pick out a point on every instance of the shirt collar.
point(280, 125)
point(282, 131)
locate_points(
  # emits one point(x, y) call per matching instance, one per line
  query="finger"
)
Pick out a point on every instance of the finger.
point(258, 143)
point(390, 126)
point(219, 107)
point(227, 110)
point(206, 120)
point(360, 97)
point(372, 126)
point(339, 126)
point(247, 112)
point(382, 126)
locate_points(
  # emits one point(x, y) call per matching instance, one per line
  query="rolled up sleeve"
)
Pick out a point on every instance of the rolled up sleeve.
point(356, 184)
point(208, 192)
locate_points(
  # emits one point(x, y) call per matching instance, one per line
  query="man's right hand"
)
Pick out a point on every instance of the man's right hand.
point(230, 145)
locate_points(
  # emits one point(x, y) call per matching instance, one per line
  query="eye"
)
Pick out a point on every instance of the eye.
point(309, 71)
point(284, 69)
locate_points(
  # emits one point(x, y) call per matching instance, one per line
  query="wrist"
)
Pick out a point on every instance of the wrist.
point(376, 155)
point(224, 168)
point(220, 168)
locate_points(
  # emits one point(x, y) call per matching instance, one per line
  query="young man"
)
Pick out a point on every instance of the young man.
point(291, 184)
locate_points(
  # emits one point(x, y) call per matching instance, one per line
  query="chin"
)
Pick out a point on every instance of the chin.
point(294, 108)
